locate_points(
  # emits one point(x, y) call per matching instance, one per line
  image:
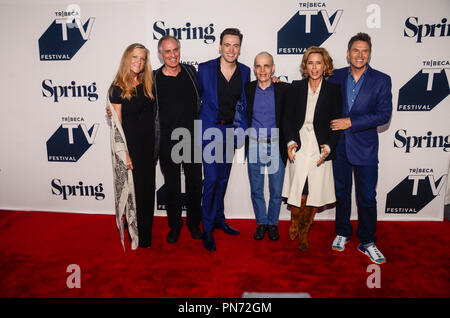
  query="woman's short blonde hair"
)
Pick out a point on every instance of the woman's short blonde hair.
point(328, 61)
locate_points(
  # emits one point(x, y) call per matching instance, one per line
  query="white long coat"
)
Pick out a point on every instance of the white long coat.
point(320, 179)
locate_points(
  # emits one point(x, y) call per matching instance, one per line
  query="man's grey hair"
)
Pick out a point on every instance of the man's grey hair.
point(167, 37)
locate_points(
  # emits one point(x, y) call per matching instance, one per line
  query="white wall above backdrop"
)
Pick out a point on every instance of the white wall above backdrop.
point(59, 58)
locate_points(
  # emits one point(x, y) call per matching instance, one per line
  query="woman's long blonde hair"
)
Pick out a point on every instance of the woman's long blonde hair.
point(124, 76)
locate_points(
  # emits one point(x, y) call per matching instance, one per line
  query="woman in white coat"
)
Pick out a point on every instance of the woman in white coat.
point(310, 106)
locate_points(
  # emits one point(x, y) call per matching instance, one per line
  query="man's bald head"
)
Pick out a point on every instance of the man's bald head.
point(264, 68)
point(267, 54)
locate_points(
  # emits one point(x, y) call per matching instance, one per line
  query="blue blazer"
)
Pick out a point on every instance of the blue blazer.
point(207, 86)
point(372, 108)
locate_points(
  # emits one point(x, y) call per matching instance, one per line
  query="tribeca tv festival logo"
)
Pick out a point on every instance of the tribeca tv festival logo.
point(186, 32)
point(414, 192)
point(162, 199)
point(311, 25)
point(191, 63)
point(71, 140)
point(429, 87)
point(65, 35)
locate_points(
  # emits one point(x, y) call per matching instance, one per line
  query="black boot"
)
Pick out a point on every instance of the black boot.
point(260, 232)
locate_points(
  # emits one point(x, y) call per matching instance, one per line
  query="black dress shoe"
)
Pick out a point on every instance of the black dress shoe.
point(208, 241)
point(273, 232)
point(145, 244)
point(173, 235)
point(260, 231)
point(196, 234)
point(228, 229)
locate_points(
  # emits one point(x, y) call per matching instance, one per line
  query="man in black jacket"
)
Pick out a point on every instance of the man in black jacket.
point(265, 146)
point(178, 105)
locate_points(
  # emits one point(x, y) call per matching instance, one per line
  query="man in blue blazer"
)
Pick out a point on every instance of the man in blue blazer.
point(367, 104)
point(221, 85)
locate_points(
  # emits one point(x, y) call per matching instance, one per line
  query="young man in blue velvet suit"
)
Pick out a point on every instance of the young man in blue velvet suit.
point(367, 104)
point(221, 85)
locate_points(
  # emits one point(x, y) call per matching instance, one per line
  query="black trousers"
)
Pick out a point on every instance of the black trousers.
point(172, 179)
point(139, 133)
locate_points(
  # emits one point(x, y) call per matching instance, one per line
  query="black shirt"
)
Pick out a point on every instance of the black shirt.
point(138, 118)
point(136, 106)
point(228, 93)
point(177, 101)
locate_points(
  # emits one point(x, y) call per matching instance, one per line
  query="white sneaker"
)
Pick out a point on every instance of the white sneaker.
point(339, 243)
point(373, 253)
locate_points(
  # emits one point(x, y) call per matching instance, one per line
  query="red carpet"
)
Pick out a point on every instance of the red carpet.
point(37, 247)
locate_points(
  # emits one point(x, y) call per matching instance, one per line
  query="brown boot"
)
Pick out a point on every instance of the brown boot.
point(306, 220)
point(293, 229)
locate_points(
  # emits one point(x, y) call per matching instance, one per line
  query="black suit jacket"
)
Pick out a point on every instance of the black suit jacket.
point(328, 107)
point(280, 90)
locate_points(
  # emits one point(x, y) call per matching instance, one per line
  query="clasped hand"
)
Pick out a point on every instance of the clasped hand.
point(292, 148)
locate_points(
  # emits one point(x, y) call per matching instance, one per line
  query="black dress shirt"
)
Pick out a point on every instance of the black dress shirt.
point(228, 93)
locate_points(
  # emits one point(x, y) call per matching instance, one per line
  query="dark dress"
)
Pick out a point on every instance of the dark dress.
point(138, 123)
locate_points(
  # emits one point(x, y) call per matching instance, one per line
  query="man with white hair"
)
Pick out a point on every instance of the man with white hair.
point(265, 144)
